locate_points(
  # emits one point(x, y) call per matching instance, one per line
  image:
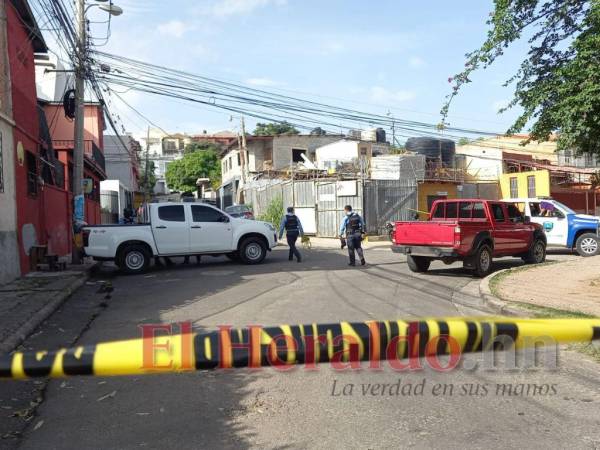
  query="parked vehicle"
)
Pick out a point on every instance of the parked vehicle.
point(179, 229)
point(473, 231)
point(563, 226)
point(240, 211)
point(389, 230)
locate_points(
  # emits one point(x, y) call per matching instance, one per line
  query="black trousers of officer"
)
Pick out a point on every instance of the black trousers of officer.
point(292, 237)
point(353, 240)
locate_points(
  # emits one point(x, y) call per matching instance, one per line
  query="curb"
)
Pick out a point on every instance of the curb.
point(496, 304)
point(13, 341)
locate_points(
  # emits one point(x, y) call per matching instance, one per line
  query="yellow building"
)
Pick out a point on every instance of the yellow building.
point(535, 183)
point(430, 191)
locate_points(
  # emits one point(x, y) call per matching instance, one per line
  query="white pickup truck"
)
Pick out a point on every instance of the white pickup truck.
point(179, 229)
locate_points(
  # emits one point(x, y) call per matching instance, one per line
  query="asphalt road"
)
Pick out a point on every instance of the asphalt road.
point(300, 408)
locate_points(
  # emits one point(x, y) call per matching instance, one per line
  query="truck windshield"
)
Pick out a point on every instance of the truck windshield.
point(564, 208)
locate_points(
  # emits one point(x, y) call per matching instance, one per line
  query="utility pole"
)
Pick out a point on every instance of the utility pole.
point(147, 167)
point(242, 152)
point(78, 148)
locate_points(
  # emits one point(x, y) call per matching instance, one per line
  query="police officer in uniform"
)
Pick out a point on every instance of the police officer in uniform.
point(353, 227)
point(293, 228)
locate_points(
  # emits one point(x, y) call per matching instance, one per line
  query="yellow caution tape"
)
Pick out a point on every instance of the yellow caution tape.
point(288, 345)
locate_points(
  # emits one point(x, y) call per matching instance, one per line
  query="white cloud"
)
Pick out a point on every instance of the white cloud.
point(416, 62)
point(226, 8)
point(173, 28)
point(500, 104)
point(383, 95)
point(333, 44)
point(262, 82)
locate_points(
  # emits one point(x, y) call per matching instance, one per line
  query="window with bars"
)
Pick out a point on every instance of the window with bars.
point(531, 186)
point(514, 187)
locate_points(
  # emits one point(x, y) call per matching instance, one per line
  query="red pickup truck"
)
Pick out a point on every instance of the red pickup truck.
point(472, 231)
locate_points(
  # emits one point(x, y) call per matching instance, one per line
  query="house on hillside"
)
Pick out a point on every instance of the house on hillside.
point(273, 154)
point(162, 149)
point(334, 155)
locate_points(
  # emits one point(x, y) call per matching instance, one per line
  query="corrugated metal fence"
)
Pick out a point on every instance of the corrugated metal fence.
point(389, 200)
point(320, 203)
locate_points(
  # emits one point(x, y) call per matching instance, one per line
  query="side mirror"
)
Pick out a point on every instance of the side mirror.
point(224, 219)
point(526, 219)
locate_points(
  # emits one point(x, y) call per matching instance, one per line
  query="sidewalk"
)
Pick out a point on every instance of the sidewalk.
point(572, 285)
point(27, 302)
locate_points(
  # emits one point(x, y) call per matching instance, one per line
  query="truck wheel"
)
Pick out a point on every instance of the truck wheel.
point(253, 251)
point(134, 259)
point(537, 253)
point(418, 264)
point(588, 244)
point(482, 261)
point(234, 256)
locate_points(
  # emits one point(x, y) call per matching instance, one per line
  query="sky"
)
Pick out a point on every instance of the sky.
point(374, 56)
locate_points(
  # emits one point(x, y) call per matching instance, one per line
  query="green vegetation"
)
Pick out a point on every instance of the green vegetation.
point(201, 161)
point(274, 212)
point(558, 84)
point(275, 129)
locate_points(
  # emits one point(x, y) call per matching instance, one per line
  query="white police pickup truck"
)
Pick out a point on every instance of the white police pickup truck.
point(563, 226)
point(179, 229)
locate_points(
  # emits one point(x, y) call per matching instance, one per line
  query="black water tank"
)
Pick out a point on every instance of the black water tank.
point(433, 148)
point(380, 135)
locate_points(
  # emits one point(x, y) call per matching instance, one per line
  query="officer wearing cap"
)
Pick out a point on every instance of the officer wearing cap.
point(353, 227)
point(293, 228)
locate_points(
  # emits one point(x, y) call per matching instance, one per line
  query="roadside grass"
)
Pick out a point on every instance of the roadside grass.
point(544, 312)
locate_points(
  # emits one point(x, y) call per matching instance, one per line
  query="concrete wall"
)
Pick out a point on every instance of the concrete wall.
point(119, 164)
point(61, 128)
point(9, 249)
point(542, 184)
point(481, 163)
point(283, 145)
point(51, 86)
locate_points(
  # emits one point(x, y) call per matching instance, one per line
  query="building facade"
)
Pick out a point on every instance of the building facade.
point(162, 149)
point(61, 131)
point(9, 247)
point(122, 162)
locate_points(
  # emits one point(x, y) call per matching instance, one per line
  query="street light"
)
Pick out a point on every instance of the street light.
point(113, 10)
point(78, 150)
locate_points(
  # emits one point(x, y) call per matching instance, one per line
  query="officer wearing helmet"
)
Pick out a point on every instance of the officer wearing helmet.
point(353, 228)
point(293, 228)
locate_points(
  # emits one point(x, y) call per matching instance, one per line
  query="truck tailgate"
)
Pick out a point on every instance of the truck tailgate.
point(425, 233)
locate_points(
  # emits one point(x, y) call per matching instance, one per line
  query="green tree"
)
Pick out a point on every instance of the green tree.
point(464, 141)
point(147, 185)
point(201, 146)
point(558, 85)
point(274, 212)
point(274, 129)
point(182, 174)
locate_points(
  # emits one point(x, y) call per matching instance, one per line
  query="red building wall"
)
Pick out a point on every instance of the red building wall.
point(56, 213)
point(26, 133)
